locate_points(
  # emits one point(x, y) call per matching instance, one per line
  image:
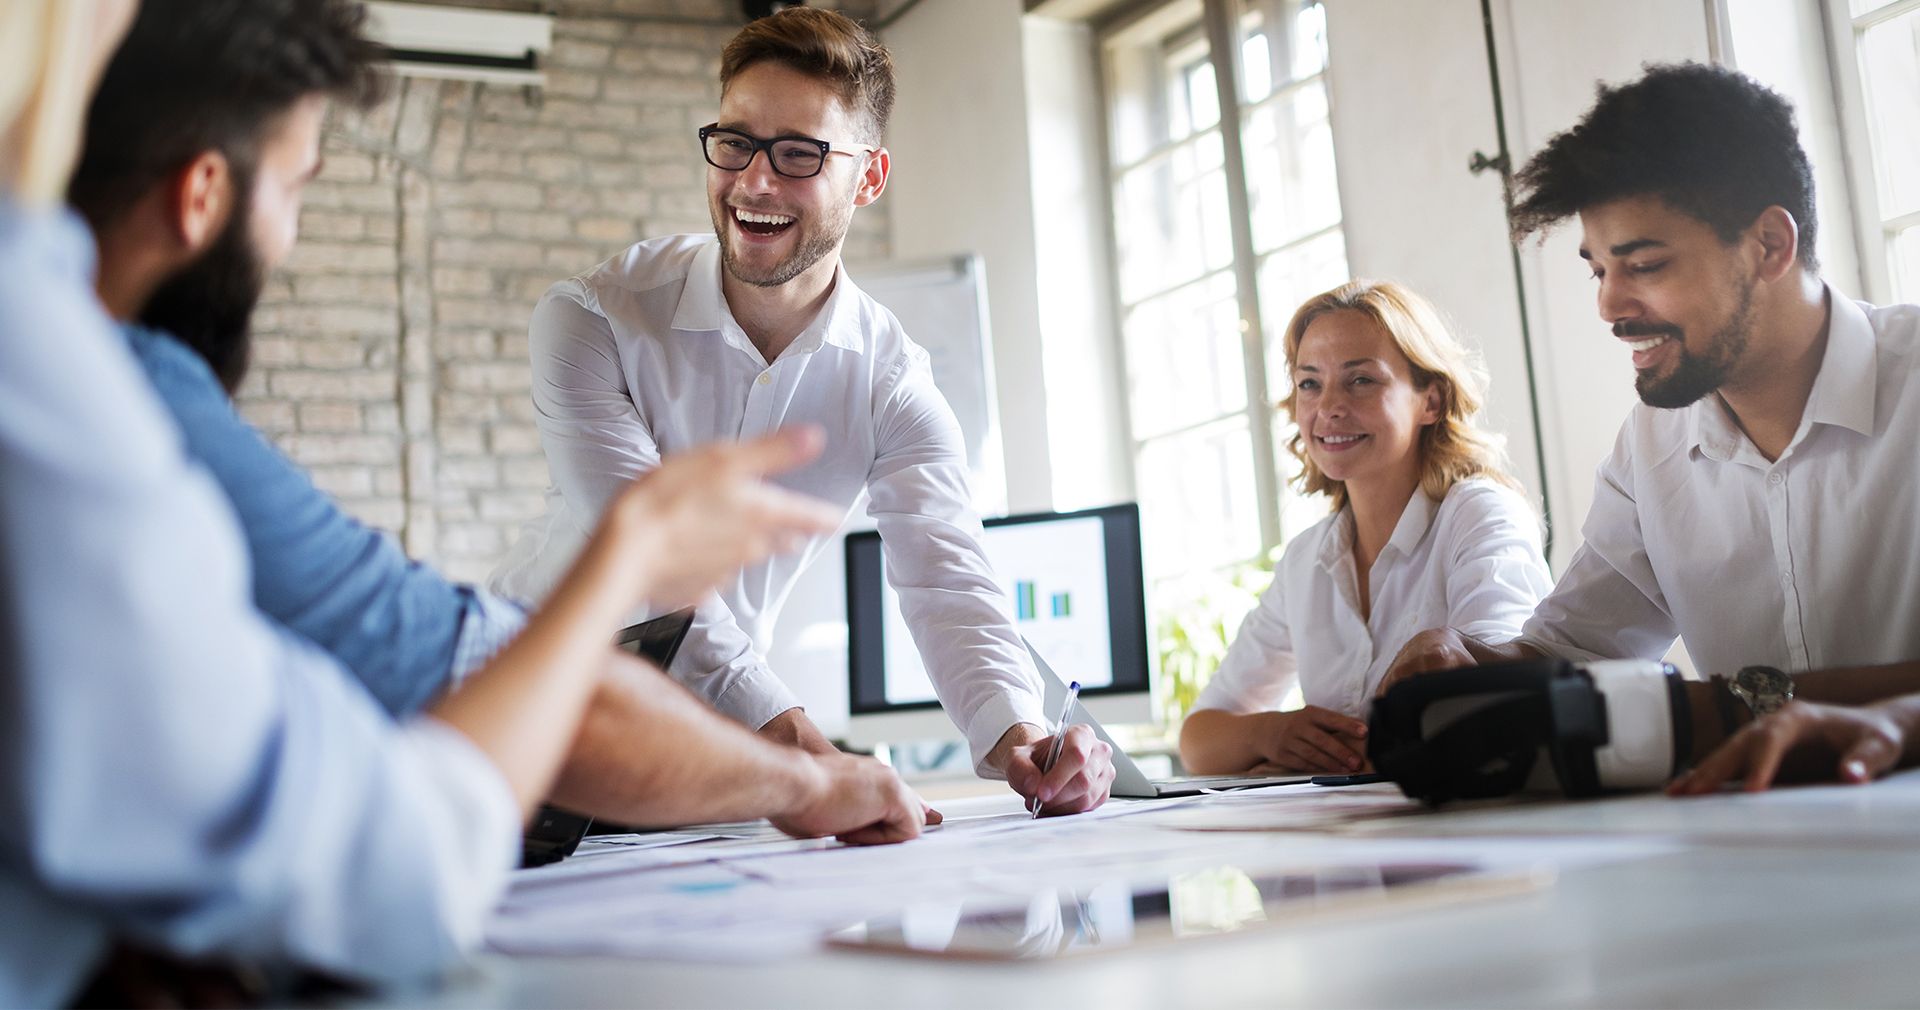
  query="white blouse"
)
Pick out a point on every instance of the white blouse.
point(1471, 561)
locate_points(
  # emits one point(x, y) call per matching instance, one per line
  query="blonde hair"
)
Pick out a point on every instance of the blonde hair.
point(1452, 448)
point(47, 61)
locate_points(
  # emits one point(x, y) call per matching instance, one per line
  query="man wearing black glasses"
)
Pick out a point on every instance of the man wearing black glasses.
point(682, 340)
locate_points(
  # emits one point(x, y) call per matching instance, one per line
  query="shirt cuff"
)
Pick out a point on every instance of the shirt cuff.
point(486, 627)
point(753, 696)
point(991, 721)
point(475, 829)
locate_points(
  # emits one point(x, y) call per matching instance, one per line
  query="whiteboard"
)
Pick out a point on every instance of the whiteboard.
point(942, 304)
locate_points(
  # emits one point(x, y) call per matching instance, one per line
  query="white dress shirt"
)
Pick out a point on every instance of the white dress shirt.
point(1471, 561)
point(1808, 562)
point(640, 357)
point(174, 768)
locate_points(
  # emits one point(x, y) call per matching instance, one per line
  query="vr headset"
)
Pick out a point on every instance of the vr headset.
point(1547, 725)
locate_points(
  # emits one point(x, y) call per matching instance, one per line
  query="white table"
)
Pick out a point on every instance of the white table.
point(1804, 897)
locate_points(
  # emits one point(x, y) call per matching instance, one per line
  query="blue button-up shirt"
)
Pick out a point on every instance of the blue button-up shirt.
point(397, 625)
point(173, 767)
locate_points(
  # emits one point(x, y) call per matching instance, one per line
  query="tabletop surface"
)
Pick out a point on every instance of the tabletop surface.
point(1799, 897)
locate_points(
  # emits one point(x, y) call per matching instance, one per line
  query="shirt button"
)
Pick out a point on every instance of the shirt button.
point(1774, 478)
point(1786, 578)
point(765, 377)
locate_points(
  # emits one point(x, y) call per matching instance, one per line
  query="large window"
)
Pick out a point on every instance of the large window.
point(1226, 216)
point(1878, 43)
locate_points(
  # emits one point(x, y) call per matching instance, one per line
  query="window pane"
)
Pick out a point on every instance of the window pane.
point(1201, 96)
point(1280, 41)
point(1256, 65)
point(1286, 279)
point(1890, 68)
point(1903, 265)
point(1160, 81)
point(1309, 40)
point(1184, 360)
point(1290, 168)
point(1171, 219)
point(1197, 502)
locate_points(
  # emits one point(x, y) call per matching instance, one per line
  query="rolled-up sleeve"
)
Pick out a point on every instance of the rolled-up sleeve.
point(487, 624)
point(920, 499)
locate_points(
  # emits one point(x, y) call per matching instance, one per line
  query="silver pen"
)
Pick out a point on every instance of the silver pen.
point(1059, 737)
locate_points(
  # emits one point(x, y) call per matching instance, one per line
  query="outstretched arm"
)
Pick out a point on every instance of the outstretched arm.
point(959, 617)
point(650, 753)
point(667, 539)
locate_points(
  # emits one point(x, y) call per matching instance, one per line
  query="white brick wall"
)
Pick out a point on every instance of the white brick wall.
point(391, 351)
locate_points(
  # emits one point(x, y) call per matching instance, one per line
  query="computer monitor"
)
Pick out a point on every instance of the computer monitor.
point(1078, 595)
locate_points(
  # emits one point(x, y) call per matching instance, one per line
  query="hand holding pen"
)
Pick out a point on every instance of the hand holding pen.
point(1059, 740)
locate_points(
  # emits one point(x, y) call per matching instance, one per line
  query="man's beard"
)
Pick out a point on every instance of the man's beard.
point(1696, 375)
point(209, 304)
point(811, 249)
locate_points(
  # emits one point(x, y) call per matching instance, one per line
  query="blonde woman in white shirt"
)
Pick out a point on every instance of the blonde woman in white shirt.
point(1427, 530)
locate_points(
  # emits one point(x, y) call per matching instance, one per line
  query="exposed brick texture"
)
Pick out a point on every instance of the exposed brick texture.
point(391, 353)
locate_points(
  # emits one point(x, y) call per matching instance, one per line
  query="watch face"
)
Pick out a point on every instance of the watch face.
point(1764, 681)
point(1763, 688)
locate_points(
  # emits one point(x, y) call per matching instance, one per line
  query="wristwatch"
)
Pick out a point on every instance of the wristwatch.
point(1764, 688)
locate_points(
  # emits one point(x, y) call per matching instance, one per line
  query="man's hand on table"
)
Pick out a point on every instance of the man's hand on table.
point(857, 800)
point(792, 728)
point(1079, 781)
point(1808, 740)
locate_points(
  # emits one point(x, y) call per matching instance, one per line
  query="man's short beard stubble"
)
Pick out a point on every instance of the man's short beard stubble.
point(1696, 376)
point(209, 304)
point(812, 249)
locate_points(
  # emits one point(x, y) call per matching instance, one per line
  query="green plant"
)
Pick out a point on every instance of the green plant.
point(1198, 616)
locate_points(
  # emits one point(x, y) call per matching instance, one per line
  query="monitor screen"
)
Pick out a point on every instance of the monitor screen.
point(1073, 585)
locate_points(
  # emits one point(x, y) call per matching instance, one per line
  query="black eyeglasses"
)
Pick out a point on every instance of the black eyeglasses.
point(795, 157)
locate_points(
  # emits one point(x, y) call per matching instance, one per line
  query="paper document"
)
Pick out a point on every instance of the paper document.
point(755, 899)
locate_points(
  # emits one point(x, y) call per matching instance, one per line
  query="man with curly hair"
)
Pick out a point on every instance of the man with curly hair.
point(1759, 505)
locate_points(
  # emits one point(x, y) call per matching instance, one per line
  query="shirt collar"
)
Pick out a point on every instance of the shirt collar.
point(1415, 520)
point(1843, 392)
point(1338, 542)
point(1842, 395)
point(703, 308)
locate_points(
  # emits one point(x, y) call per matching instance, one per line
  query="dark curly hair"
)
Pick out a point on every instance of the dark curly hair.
point(1711, 142)
point(212, 75)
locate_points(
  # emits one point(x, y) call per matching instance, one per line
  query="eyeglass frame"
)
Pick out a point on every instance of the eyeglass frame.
point(766, 145)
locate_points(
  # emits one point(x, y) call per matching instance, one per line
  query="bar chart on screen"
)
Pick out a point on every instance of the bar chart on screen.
point(1055, 576)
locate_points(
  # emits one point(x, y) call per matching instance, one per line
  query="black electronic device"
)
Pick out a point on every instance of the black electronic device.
point(1536, 725)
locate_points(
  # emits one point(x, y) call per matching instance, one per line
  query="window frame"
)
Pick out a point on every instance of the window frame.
point(1873, 233)
point(1221, 25)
